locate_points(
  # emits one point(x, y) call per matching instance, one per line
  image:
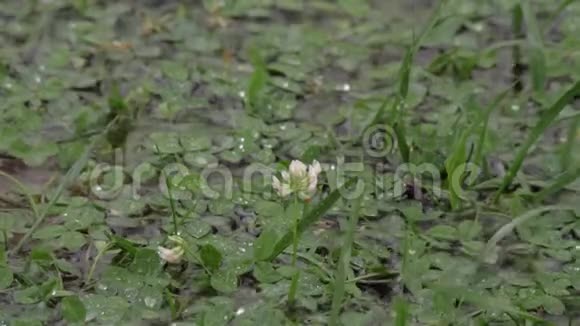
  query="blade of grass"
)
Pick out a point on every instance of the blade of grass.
point(534, 34)
point(400, 133)
point(485, 121)
point(537, 61)
point(517, 30)
point(25, 191)
point(458, 154)
point(457, 163)
point(96, 260)
point(310, 218)
point(545, 121)
point(408, 277)
point(562, 181)
point(509, 227)
point(72, 174)
point(258, 81)
point(171, 204)
point(568, 147)
point(398, 104)
point(297, 214)
point(343, 263)
point(557, 13)
point(457, 157)
point(169, 186)
point(407, 64)
point(488, 302)
point(568, 116)
point(123, 244)
point(401, 311)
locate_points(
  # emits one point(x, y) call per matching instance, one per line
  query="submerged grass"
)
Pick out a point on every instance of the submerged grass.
point(398, 104)
point(72, 174)
point(25, 191)
point(545, 121)
point(559, 183)
point(343, 264)
point(401, 312)
point(310, 217)
point(414, 257)
point(169, 186)
point(567, 149)
point(537, 60)
point(483, 124)
point(490, 252)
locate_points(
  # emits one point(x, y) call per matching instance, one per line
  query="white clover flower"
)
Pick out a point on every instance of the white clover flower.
point(299, 179)
point(172, 255)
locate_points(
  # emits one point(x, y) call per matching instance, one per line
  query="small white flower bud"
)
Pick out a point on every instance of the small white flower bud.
point(172, 256)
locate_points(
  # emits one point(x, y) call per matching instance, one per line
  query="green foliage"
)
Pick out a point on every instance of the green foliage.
point(257, 83)
point(545, 121)
point(312, 216)
point(343, 263)
point(206, 100)
point(211, 257)
point(73, 310)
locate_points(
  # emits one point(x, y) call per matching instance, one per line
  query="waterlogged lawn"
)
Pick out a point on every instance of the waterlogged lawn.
point(425, 155)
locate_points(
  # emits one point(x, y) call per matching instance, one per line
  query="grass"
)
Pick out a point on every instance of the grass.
point(311, 217)
point(343, 264)
point(399, 104)
point(545, 120)
point(559, 183)
point(68, 178)
point(231, 93)
point(505, 230)
point(537, 58)
point(568, 147)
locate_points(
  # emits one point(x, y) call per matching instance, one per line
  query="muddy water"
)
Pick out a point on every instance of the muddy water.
point(34, 178)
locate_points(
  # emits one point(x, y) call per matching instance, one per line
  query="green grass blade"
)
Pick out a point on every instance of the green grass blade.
point(484, 121)
point(169, 186)
point(538, 69)
point(171, 203)
point(568, 116)
point(407, 64)
point(557, 13)
point(537, 60)
point(24, 190)
point(71, 175)
point(398, 104)
point(533, 29)
point(490, 303)
point(547, 119)
point(517, 30)
point(567, 150)
point(122, 243)
point(509, 227)
point(562, 181)
point(344, 263)
point(310, 218)
point(399, 129)
point(458, 157)
point(258, 81)
point(401, 308)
